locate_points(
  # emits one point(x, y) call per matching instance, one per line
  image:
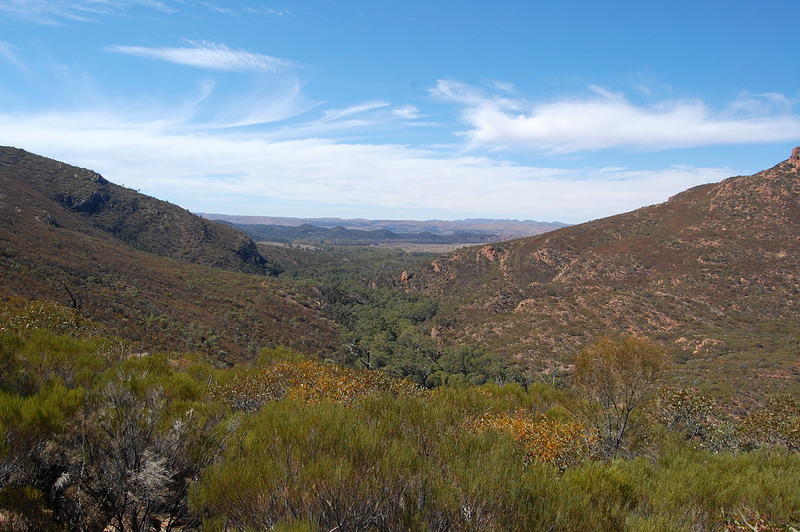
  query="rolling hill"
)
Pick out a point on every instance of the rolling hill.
point(141, 221)
point(148, 270)
point(714, 271)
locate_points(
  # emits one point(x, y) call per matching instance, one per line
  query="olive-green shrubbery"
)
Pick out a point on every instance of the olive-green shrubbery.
point(94, 436)
point(452, 459)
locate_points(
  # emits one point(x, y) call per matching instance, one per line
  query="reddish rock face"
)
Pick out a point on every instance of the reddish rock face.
point(795, 158)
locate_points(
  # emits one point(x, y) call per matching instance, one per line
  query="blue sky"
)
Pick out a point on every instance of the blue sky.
point(562, 111)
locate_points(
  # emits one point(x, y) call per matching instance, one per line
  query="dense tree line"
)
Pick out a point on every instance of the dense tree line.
point(385, 328)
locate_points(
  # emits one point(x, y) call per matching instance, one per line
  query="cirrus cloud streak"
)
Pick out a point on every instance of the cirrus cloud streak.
point(208, 55)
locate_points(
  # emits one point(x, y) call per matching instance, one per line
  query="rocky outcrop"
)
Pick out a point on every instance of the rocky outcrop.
point(490, 252)
point(93, 203)
point(248, 252)
point(795, 157)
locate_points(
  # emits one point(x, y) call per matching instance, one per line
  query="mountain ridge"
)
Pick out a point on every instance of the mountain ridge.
point(312, 234)
point(141, 221)
point(701, 271)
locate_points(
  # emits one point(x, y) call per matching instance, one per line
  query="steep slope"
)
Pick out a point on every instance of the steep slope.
point(715, 270)
point(141, 221)
point(50, 250)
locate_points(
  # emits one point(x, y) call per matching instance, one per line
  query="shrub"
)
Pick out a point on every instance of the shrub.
point(21, 317)
point(778, 423)
point(685, 410)
point(559, 443)
point(309, 381)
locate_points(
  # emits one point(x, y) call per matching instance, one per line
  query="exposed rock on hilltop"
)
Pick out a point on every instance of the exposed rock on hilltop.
point(703, 270)
point(141, 221)
point(795, 158)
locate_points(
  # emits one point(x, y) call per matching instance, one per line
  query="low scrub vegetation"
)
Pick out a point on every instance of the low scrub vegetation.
point(95, 436)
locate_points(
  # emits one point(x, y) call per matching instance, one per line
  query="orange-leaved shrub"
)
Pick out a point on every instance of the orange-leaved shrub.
point(559, 443)
point(307, 380)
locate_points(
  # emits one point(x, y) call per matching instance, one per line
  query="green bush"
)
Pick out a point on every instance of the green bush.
point(96, 437)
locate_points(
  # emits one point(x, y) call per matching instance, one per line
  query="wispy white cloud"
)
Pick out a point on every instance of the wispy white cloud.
point(769, 103)
point(166, 159)
point(605, 119)
point(8, 53)
point(408, 112)
point(504, 86)
point(60, 11)
point(361, 117)
point(264, 10)
point(279, 99)
point(337, 114)
point(57, 12)
point(216, 8)
point(208, 55)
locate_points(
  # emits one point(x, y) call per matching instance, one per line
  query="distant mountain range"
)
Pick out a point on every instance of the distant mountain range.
point(340, 236)
point(494, 230)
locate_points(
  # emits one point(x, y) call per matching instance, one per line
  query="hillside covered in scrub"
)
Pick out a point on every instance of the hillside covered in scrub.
point(61, 195)
point(149, 270)
point(713, 272)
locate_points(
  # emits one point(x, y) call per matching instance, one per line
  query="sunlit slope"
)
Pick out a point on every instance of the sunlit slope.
point(714, 271)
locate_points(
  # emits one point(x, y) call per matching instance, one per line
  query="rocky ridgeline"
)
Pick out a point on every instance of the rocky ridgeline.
point(698, 271)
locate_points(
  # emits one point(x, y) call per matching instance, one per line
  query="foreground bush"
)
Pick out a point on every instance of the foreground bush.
point(94, 437)
point(385, 463)
point(97, 438)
